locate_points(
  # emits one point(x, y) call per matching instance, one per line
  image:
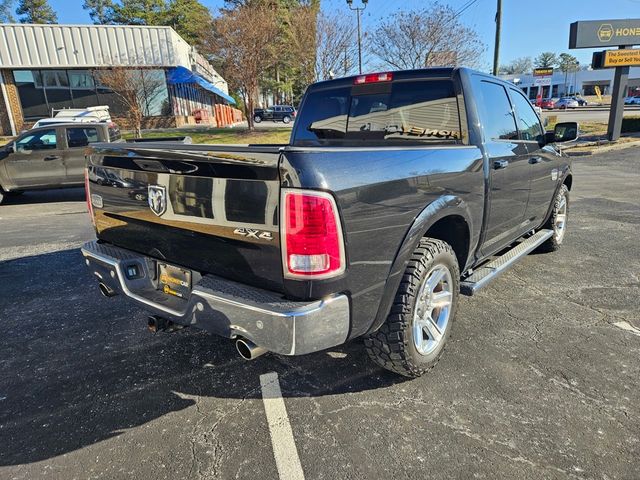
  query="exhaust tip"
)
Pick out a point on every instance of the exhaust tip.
point(106, 291)
point(249, 350)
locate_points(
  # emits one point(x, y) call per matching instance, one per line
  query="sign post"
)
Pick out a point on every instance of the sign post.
point(609, 33)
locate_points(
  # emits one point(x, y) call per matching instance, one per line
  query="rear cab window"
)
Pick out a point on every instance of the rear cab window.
point(114, 132)
point(403, 112)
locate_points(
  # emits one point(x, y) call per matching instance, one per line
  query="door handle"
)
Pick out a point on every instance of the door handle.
point(500, 164)
point(535, 160)
point(52, 157)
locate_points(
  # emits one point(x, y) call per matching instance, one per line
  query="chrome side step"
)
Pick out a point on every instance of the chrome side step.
point(492, 270)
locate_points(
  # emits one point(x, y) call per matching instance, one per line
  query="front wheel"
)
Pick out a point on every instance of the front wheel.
point(557, 221)
point(413, 338)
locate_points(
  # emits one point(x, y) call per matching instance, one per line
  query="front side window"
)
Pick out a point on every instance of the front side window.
point(413, 112)
point(81, 137)
point(497, 115)
point(42, 140)
point(527, 119)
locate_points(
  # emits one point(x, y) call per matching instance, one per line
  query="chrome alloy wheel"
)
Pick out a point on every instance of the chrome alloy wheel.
point(560, 222)
point(432, 309)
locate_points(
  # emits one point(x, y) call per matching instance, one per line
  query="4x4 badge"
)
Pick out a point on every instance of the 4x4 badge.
point(157, 197)
point(251, 233)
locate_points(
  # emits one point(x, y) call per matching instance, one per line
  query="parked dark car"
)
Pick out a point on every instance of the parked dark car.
point(277, 113)
point(51, 156)
point(398, 192)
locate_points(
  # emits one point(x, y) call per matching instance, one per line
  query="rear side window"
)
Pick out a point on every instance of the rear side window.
point(81, 137)
point(497, 115)
point(413, 112)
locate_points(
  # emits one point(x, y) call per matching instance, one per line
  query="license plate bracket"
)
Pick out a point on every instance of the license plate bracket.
point(174, 280)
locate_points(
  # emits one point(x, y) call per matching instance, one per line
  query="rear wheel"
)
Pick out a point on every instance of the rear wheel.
point(286, 119)
point(557, 221)
point(413, 338)
point(257, 119)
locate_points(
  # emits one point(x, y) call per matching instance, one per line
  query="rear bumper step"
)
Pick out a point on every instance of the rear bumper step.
point(492, 270)
point(224, 307)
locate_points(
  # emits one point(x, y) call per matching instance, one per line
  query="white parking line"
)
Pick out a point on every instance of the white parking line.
point(284, 447)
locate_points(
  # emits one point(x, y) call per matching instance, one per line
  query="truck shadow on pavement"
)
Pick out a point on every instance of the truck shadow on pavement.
point(77, 368)
point(74, 194)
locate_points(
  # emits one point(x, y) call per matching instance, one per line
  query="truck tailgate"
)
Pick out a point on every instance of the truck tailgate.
point(210, 208)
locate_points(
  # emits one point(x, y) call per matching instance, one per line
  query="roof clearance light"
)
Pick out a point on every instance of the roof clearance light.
point(373, 78)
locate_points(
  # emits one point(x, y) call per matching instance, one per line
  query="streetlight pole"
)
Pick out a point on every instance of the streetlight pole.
point(358, 10)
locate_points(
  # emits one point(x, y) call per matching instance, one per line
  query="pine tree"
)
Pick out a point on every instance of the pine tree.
point(139, 12)
point(36, 11)
point(100, 11)
point(189, 18)
point(6, 6)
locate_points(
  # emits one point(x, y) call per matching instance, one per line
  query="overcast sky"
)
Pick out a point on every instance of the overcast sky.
point(529, 27)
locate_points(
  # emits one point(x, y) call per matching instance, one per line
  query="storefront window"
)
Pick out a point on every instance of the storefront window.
point(56, 84)
point(83, 88)
point(42, 91)
point(32, 98)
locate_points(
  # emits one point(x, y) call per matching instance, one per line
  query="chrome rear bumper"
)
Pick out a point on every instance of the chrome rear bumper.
point(224, 307)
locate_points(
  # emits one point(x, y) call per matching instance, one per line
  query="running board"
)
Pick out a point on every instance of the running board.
point(492, 270)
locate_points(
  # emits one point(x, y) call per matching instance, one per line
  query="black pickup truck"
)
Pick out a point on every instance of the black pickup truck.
point(397, 192)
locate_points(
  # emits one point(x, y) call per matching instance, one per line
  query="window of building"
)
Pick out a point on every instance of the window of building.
point(42, 91)
point(56, 84)
point(498, 120)
point(31, 92)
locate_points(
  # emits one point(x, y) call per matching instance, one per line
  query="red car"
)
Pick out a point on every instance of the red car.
point(547, 103)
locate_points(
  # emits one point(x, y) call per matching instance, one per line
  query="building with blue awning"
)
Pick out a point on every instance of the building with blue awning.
point(51, 67)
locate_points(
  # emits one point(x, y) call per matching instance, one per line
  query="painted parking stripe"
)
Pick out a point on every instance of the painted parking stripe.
point(284, 447)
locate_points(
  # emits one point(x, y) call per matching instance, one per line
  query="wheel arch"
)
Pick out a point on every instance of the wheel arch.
point(446, 219)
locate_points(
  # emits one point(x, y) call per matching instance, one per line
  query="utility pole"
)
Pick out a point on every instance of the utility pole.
point(496, 50)
point(358, 10)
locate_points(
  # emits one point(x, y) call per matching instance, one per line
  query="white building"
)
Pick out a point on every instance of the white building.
point(583, 82)
point(46, 67)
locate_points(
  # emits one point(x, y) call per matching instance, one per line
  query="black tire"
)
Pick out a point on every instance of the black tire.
point(2, 195)
point(392, 346)
point(286, 119)
point(257, 119)
point(555, 242)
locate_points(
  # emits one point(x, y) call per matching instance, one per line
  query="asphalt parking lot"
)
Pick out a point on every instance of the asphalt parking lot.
point(541, 379)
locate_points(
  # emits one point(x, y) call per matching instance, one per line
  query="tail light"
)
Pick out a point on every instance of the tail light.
point(373, 78)
point(312, 243)
point(88, 195)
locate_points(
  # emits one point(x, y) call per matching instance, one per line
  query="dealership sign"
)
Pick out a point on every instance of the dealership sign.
point(542, 77)
point(604, 33)
point(622, 58)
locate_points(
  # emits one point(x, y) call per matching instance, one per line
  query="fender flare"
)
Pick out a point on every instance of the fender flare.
point(445, 206)
point(567, 173)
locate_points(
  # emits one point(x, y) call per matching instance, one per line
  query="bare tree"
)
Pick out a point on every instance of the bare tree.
point(136, 89)
point(336, 50)
point(433, 36)
point(242, 39)
point(518, 66)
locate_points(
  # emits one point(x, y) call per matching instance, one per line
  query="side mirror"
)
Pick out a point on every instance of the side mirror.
point(565, 132)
